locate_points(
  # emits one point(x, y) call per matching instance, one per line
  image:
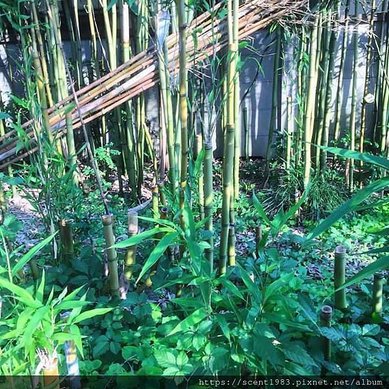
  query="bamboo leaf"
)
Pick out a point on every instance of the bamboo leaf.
point(36, 319)
point(193, 319)
point(377, 266)
point(258, 206)
point(136, 239)
point(250, 285)
point(231, 287)
point(163, 222)
point(379, 250)
point(365, 157)
point(34, 250)
point(65, 305)
point(91, 313)
point(20, 293)
point(73, 294)
point(41, 289)
point(348, 206)
point(158, 251)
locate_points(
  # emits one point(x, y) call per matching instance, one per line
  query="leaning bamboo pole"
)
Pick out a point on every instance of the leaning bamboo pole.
point(141, 72)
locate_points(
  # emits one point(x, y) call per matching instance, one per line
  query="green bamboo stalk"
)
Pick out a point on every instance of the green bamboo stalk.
point(323, 84)
point(339, 90)
point(350, 162)
point(66, 240)
point(328, 95)
point(208, 198)
point(167, 108)
point(129, 146)
point(73, 44)
point(228, 164)
point(275, 96)
point(289, 132)
point(384, 117)
point(378, 287)
point(301, 90)
point(198, 146)
point(41, 94)
point(381, 83)
point(183, 104)
point(311, 101)
point(53, 12)
point(42, 55)
point(340, 277)
point(109, 237)
point(325, 321)
point(131, 251)
point(367, 80)
point(117, 136)
point(246, 133)
point(237, 141)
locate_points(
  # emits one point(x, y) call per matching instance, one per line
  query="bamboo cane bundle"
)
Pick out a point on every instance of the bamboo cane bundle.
point(140, 73)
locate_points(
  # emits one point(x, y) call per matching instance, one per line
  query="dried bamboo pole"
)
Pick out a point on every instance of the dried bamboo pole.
point(250, 21)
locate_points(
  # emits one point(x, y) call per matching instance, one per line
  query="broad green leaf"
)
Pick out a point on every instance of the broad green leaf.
point(73, 294)
point(158, 251)
point(231, 287)
point(377, 266)
point(136, 239)
point(258, 206)
point(365, 157)
point(32, 325)
point(224, 326)
point(162, 222)
point(251, 287)
point(41, 288)
point(276, 285)
point(165, 358)
point(30, 254)
point(74, 330)
point(193, 319)
point(274, 317)
point(379, 250)
point(20, 293)
point(189, 222)
point(91, 313)
point(65, 305)
point(348, 206)
point(298, 354)
point(265, 349)
point(62, 337)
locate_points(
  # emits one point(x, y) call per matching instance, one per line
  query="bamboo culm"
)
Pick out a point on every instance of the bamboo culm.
point(340, 277)
point(325, 321)
point(109, 237)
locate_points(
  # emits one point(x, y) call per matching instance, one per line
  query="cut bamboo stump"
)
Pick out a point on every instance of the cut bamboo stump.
point(113, 275)
point(325, 321)
point(340, 277)
point(66, 240)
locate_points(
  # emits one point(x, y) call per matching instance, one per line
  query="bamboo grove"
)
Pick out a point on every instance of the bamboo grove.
point(191, 54)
